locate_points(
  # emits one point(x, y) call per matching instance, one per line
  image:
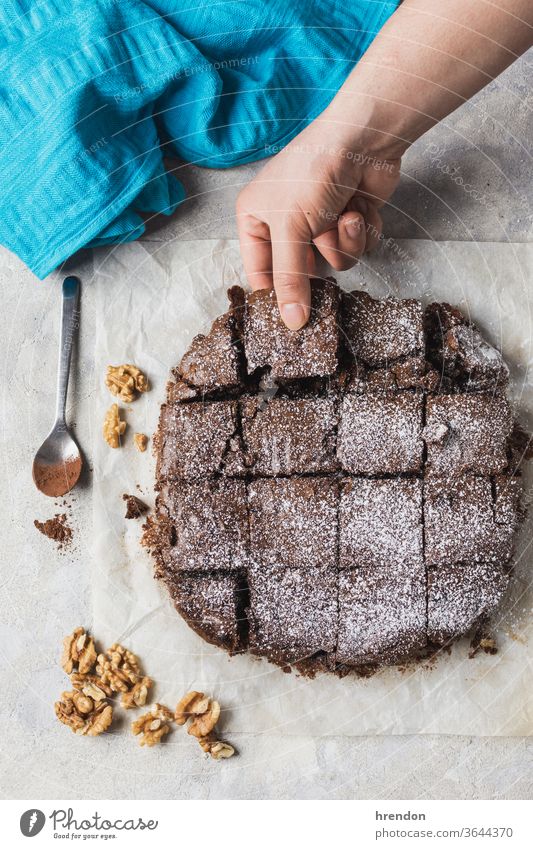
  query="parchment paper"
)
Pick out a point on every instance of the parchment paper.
point(157, 297)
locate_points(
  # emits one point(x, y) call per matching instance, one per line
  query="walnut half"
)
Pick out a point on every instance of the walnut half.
point(82, 714)
point(78, 652)
point(153, 726)
point(114, 427)
point(126, 381)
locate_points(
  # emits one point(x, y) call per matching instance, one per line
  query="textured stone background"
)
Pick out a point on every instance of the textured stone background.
point(43, 593)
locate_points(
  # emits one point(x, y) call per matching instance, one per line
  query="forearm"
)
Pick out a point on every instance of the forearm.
point(429, 58)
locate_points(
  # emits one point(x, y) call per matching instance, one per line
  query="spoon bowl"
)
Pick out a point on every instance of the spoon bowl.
point(57, 464)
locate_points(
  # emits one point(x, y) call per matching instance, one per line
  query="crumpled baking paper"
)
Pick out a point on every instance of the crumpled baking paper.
point(156, 297)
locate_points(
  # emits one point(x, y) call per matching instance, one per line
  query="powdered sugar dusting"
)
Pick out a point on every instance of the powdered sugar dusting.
point(346, 521)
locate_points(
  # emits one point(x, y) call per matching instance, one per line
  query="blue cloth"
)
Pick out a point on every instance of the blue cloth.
point(93, 93)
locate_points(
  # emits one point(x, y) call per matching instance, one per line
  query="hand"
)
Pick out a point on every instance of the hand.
point(311, 193)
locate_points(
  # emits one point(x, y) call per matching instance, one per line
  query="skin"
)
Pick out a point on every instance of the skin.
point(326, 187)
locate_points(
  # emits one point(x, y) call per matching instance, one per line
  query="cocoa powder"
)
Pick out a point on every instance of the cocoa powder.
point(56, 529)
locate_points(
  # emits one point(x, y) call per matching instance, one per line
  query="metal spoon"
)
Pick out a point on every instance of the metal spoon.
point(57, 464)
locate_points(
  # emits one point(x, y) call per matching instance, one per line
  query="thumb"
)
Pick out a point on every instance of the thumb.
point(290, 251)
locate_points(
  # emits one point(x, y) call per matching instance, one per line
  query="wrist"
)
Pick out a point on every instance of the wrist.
point(367, 123)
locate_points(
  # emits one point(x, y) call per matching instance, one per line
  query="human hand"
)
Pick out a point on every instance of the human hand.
point(311, 194)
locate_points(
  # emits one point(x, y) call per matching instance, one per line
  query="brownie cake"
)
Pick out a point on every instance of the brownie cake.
point(341, 497)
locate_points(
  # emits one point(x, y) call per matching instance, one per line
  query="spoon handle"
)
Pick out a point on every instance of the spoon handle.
point(70, 319)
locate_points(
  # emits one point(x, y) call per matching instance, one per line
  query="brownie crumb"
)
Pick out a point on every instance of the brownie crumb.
point(56, 529)
point(134, 506)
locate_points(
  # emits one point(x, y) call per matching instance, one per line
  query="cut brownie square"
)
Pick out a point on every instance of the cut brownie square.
point(378, 331)
point(210, 604)
point(382, 615)
point(460, 522)
point(467, 433)
point(381, 433)
point(461, 594)
point(293, 522)
point(458, 350)
point(196, 438)
point(289, 436)
point(210, 525)
point(213, 361)
point(380, 524)
point(293, 612)
point(292, 354)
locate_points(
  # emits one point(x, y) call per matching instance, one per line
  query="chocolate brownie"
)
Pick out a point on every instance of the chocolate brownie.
point(382, 614)
point(337, 503)
point(467, 433)
point(194, 439)
point(458, 349)
point(461, 594)
point(288, 353)
point(287, 436)
point(209, 525)
point(211, 604)
point(378, 332)
point(293, 522)
point(460, 522)
point(293, 612)
point(380, 523)
point(213, 361)
point(381, 433)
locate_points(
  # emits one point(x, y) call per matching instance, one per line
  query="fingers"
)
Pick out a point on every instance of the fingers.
point(256, 251)
point(343, 245)
point(290, 254)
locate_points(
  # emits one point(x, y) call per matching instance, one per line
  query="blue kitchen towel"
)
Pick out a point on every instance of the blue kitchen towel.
point(93, 94)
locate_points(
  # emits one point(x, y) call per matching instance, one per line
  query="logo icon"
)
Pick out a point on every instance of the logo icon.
point(32, 822)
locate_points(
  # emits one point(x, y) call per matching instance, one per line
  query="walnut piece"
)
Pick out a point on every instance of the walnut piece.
point(191, 704)
point(203, 723)
point(153, 726)
point(114, 427)
point(141, 441)
point(91, 685)
point(78, 652)
point(216, 748)
point(119, 668)
point(82, 714)
point(137, 695)
point(126, 381)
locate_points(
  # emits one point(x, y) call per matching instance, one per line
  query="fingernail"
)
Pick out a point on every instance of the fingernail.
point(353, 227)
point(293, 315)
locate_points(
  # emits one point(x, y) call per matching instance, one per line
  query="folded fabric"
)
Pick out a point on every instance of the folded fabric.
point(93, 94)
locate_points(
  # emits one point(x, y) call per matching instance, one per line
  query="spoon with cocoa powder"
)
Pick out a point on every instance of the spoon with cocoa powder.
point(57, 464)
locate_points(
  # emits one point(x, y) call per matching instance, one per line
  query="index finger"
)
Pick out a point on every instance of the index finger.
point(256, 252)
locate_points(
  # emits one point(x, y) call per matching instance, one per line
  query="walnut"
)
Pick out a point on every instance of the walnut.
point(216, 748)
point(114, 427)
point(119, 668)
point(137, 695)
point(82, 715)
point(126, 381)
point(191, 704)
point(204, 722)
point(153, 726)
point(91, 685)
point(78, 651)
point(141, 441)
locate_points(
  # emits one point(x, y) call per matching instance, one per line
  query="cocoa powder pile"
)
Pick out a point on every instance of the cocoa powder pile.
point(56, 529)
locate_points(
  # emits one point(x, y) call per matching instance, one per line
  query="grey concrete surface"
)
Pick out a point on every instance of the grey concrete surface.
point(43, 592)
